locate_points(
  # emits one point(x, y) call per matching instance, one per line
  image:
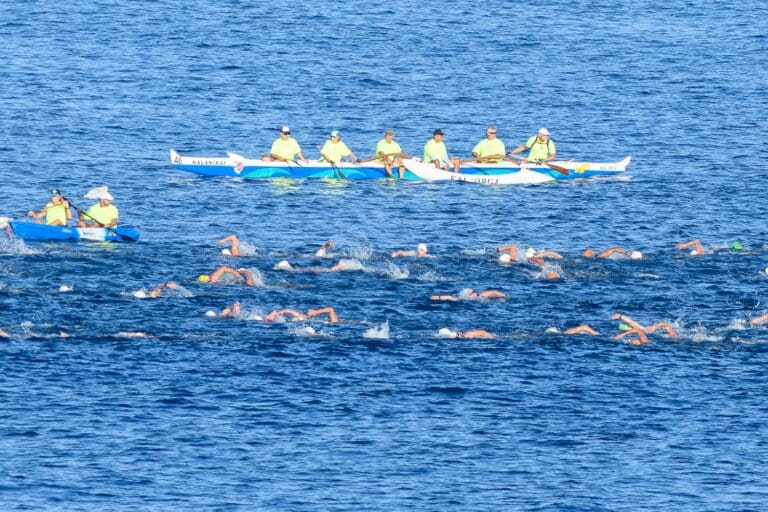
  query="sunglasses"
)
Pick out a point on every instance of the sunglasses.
point(286, 133)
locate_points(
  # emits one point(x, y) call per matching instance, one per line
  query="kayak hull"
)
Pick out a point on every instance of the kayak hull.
point(44, 232)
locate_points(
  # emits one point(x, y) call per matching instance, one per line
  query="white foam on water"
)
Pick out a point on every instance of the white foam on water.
point(352, 265)
point(429, 276)
point(248, 249)
point(362, 252)
point(16, 246)
point(378, 332)
point(395, 272)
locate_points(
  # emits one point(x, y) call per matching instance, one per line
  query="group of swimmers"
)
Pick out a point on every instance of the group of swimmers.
point(540, 147)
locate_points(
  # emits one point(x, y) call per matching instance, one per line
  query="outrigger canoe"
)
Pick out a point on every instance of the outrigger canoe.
point(44, 232)
point(512, 174)
point(504, 173)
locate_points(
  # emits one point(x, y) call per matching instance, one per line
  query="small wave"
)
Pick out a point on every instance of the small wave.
point(429, 276)
point(395, 272)
point(248, 249)
point(16, 246)
point(363, 252)
point(351, 265)
point(378, 332)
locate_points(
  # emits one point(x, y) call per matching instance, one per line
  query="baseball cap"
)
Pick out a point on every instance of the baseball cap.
point(285, 129)
point(543, 131)
point(438, 132)
point(335, 133)
point(389, 132)
point(106, 195)
point(55, 192)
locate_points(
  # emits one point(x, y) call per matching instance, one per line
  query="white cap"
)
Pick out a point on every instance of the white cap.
point(636, 255)
point(210, 313)
point(4, 222)
point(504, 258)
point(226, 252)
point(530, 252)
point(106, 195)
point(766, 270)
point(335, 133)
point(140, 294)
point(285, 129)
point(543, 131)
point(694, 253)
point(447, 333)
point(283, 265)
point(65, 288)
point(422, 248)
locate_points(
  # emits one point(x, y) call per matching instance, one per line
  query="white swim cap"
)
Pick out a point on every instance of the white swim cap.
point(4, 222)
point(140, 294)
point(65, 288)
point(447, 333)
point(552, 330)
point(693, 252)
point(226, 252)
point(766, 270)
point(530, 252)
point(422, 248)
point(210, 313)
point(283, 265)
point(504, 258)
point(636, 255)
point(307, 331)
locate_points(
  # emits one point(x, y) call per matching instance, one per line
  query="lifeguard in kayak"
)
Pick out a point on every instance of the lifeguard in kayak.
point(56, 212)
point(541, 147)
point(101, 214)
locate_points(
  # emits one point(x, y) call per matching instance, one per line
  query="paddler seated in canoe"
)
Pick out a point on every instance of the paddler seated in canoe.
point(56, 212)
point(280, 315)
point(436, 153)
point(101, 214)
point(541, 147)
point(335, 149)
point(472, 333)
point(470, 294)
point(284, 148)
point(614, 253)
point(490, 149)
point(389, 153)
point(420, 252)
point(228, 275)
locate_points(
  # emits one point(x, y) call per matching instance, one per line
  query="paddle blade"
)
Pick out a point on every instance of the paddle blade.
point(96, 193)
point(561, 170)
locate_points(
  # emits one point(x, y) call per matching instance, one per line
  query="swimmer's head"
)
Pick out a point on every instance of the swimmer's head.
point(204, 278)
point(636, 255)
point(552, 275)
point(766, 271)
point(530, 252)
point(226, 252)
point(624, 327)
point(65, 288)
point(505, 258)
point(588, 253)
point(467, 294)
point(4, 222)
point(694, 252)
point(447, 333)
point(140, 294)
point(736, 246)
point(283, 265)
point(421, 249)
point(210, 313)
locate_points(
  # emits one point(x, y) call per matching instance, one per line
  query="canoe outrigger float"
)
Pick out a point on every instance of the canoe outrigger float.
point(48, 233)
point(505, 173)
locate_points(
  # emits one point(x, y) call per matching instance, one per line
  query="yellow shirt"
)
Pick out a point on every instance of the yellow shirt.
point(333, 151)
point(102, 215)
point(287, 148)
point(56, 212)
point(538, 149)
point(387, 147)
point(488, 147)
point(434, 150)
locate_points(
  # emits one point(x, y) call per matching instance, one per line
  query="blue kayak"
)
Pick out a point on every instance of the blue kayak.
point(35, 231)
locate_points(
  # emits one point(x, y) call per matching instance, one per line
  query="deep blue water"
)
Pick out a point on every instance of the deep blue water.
point(234, 414)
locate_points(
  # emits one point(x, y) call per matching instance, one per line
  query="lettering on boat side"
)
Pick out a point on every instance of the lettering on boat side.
point(208, 161)
point(484, 181)
point(177, 159)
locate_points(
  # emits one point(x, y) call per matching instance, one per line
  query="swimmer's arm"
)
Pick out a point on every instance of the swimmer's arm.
point(446, 298)
point(613, 250)
point(759, 320)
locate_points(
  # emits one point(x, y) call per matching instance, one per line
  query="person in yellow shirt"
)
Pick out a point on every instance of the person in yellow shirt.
point(56, 212)
point(335, 149)
point(436, 153)
point(541, 147)
point(284, 148)
point(490, 149)
point(103, 213)
point(390, 154)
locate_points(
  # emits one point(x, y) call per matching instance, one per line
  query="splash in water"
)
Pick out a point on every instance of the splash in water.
point(378, 332)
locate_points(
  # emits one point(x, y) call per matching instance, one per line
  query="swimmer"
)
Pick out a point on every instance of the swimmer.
point(341, 265)
point(234, 249)
point(132, 334)
point(510, 253)
point(639, 329)
point(155, 293)
point(231, 311)
point(581, 329)
point(470, 334)
point(420, 252)
point(297, 315)
point(322, 252)
point(697, 249)
point(4, 334)
point(760, 320)
point(613, 253)
point(218, 275)
point(470, 294)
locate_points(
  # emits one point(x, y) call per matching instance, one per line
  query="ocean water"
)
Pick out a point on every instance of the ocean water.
point(378, 412)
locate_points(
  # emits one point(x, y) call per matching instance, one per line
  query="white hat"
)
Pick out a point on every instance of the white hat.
point(283, 265)
point(530, 252)
point(543, 131)
point(226, 252)
point(447, 333)
point(335, 133)
point(636, 255)
point(107, 196)
point(285, 129)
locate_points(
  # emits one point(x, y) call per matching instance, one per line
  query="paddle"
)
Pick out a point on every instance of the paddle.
point(95, 193)
point(558, 168)
point(336, 169)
